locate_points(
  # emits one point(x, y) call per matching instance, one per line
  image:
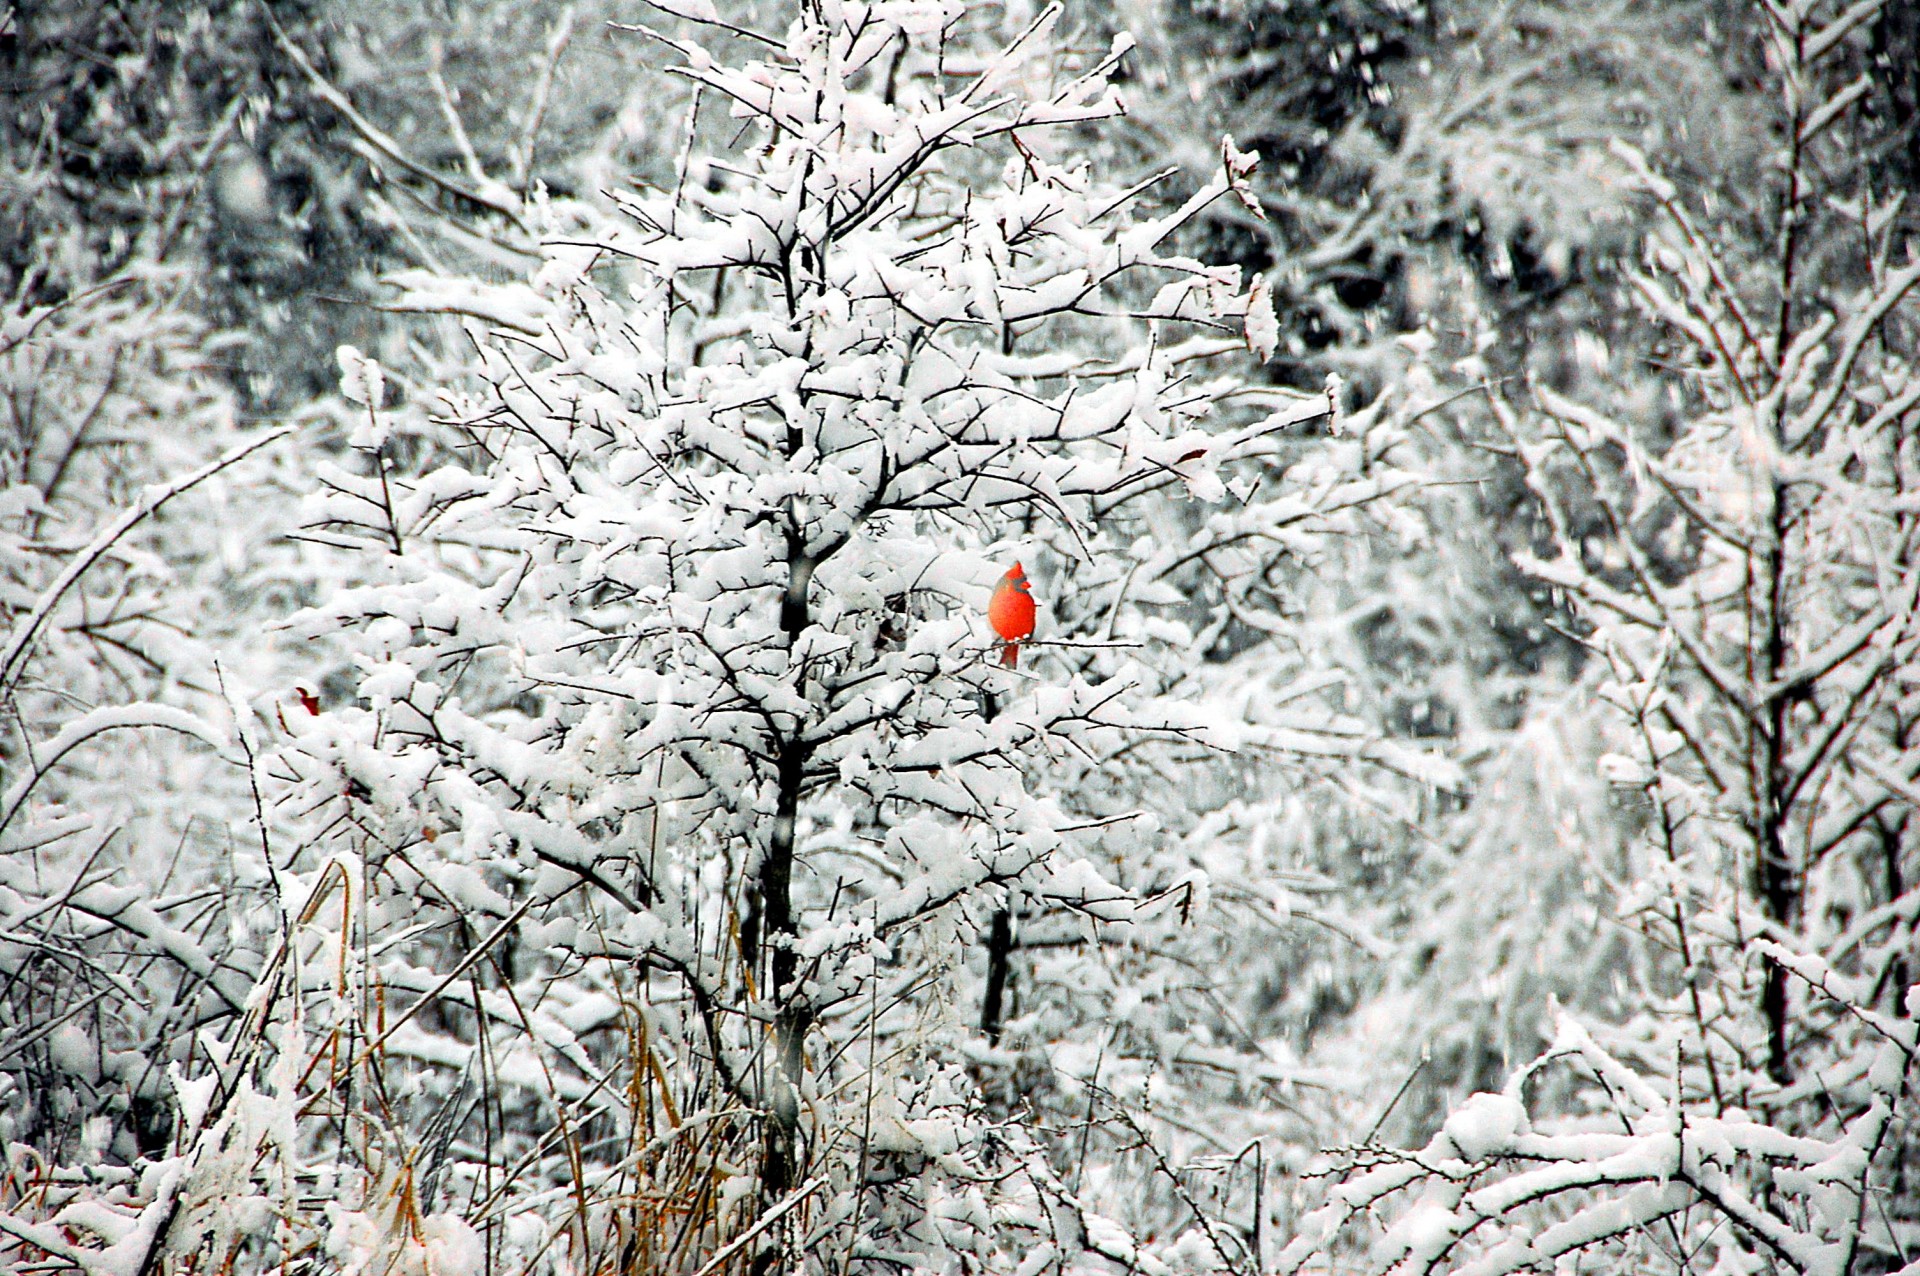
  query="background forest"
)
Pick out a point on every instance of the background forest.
point(504, 767)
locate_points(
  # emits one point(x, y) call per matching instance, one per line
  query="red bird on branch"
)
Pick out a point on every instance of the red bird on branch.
point(1011, 613)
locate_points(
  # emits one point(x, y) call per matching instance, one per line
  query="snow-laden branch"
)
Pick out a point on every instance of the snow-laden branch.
point(27, 628)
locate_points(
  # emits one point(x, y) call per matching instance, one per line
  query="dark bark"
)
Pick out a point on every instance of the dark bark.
point(999, 955)
point(777, 924)
point(1776, 880)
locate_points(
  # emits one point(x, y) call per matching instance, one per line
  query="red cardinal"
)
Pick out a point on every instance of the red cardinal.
point(1011, 613)
point(308, 701)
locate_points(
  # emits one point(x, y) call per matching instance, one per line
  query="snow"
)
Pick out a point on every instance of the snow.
point(1486, 1125)
point(663, 804)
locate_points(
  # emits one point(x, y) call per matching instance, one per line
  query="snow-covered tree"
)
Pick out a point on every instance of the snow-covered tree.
point(1739, 551)
point(113, 469)
point(682, 767)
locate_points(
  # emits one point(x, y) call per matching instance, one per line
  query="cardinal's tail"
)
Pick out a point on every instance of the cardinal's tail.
point(1010, 655)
